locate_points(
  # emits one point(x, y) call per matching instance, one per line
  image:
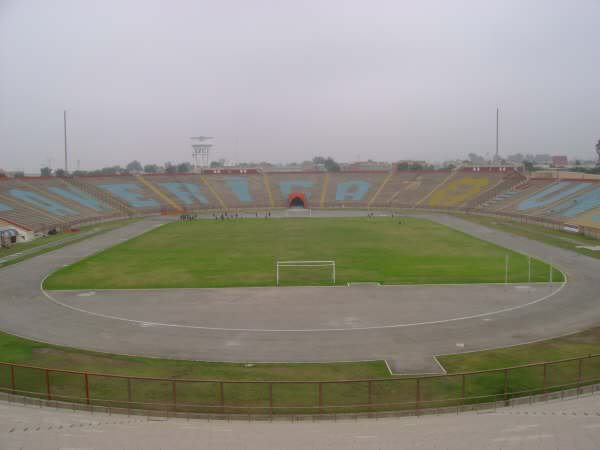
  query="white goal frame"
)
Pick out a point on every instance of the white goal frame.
point(280, 264)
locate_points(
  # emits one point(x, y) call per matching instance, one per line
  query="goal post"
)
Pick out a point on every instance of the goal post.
point(283, 266)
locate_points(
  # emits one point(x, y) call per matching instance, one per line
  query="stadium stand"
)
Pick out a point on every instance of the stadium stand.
point(43, 203)
point(406, 189)
point(350, 189)
point(465, 186)
point(308, 183)
point(128, 189)
point(85, 206)
point(508, 201)
point(21, 205)
point(239, 189)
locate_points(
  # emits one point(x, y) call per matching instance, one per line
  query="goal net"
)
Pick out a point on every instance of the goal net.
point(309, 273)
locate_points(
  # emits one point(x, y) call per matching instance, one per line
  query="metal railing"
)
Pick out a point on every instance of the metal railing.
point(408, 394)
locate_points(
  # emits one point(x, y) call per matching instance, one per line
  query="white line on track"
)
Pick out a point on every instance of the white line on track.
point(300, 330)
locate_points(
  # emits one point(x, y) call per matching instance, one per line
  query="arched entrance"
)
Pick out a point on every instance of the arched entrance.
point(297, 200)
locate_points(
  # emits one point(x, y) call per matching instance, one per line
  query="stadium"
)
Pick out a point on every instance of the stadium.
point(299, 225)
point(238, 291)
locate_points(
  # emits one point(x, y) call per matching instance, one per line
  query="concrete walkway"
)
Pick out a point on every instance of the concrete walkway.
point(561, 425)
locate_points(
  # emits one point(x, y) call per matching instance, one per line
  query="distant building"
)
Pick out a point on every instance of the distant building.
point(560, 161)
point(366, 165)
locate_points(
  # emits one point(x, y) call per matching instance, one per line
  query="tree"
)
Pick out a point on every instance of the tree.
point(319, 160)
point(134, 166)
point(476, 159)
point(45, 171)
point(529, 167)
point(111, 170)
point(170, 168)
point(60, 172)
point(19, 174)
point(215, 164)
point(184, 167)
point(403, 165)
point(331, 165)
point(151, 168)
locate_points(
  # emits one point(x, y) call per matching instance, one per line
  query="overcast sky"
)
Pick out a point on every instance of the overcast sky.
point(286, 80)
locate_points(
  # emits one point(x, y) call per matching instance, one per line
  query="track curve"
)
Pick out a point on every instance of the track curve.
point(527, 315)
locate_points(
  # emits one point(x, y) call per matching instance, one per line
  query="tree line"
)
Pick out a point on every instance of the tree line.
point(133, 167)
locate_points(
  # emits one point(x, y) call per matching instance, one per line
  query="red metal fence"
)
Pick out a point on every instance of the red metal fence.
point(298, 397)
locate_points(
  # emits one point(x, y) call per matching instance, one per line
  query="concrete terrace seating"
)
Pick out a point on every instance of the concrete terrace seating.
point(182, 192)
point(240, 190)
point(130, 190)
point(406, 188)
point(507, 201)
point(39, 203)
point(25, 206)
point(85, 205)
point(285, 183)
point(350, 189)
point(18, 213)
point(584, 201)
point(465, 186)
point(550, 196)
point(510, 180)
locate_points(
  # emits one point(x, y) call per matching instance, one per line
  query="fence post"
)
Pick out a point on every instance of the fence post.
point(320, 397)
point(370, 386)
point(579, 374)
point(48, 391)
point(544, 381)
point(87, 388)
point(222, 396)
point(174, 395)
point(505, 385)
point(128, 395)
point(12, 379)
point(418, 395)
point(462, 390)
point(271, 398)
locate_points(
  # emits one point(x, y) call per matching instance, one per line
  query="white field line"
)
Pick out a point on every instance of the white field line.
point(300, 330)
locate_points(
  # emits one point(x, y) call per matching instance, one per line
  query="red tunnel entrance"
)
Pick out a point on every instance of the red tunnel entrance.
point(297, 200)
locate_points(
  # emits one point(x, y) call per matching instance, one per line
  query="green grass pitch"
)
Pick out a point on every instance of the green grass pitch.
point(235, 253)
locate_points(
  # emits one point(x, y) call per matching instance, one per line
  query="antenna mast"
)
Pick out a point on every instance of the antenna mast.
point(65, 127)
point(497, 157)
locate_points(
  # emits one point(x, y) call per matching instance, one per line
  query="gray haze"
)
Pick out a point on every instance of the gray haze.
point(285, 80)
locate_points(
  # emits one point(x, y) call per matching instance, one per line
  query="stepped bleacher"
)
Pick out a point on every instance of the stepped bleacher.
point(43, 203)
point(182, 192)
point(239, 190)
point(350, 189)
point(406, 189)
point(285, 183)
point(465, 186)
point(130, 190)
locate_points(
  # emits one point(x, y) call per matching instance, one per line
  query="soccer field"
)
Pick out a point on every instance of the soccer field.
point(235, 253)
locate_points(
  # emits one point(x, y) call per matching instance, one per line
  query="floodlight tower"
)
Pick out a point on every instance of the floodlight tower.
point(201, 151)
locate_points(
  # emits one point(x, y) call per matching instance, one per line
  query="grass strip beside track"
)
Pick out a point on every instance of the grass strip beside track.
point(433, 391)
point(45, 244)
point(556, 238)
point(24, 351)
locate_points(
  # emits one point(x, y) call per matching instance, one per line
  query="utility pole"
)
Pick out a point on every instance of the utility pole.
point(65, 123)
point(497, 157)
